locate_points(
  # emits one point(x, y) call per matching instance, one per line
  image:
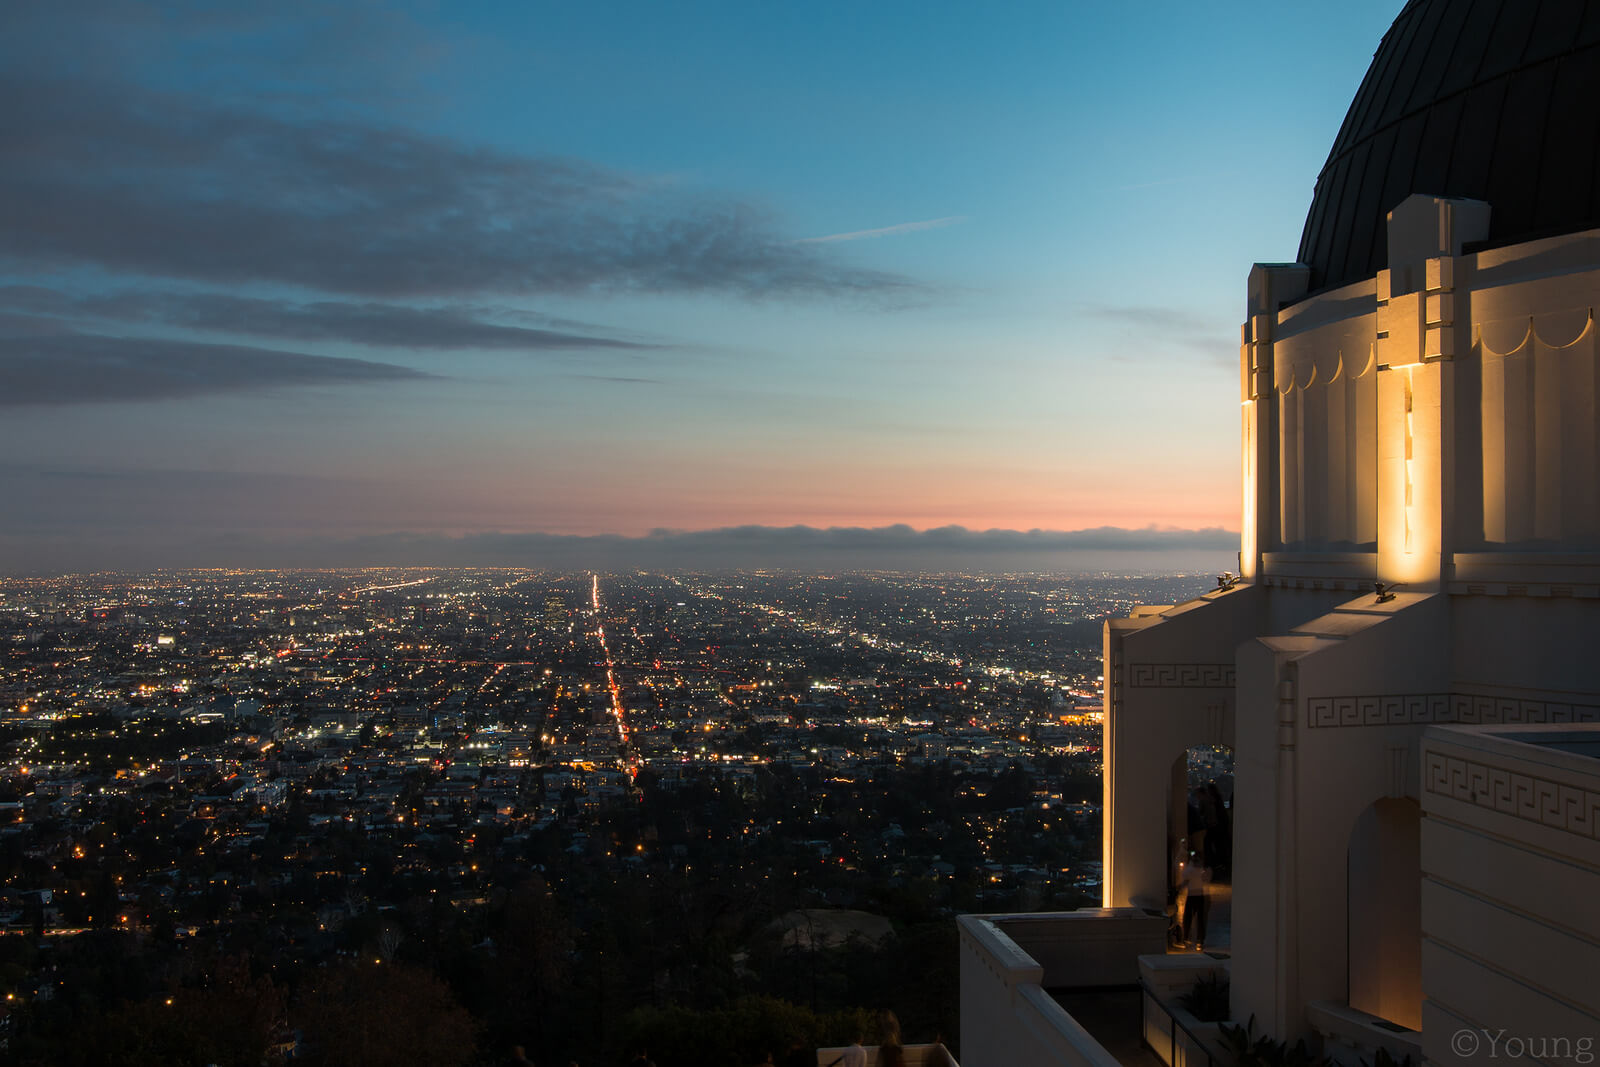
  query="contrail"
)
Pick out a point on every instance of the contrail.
point(885, 231)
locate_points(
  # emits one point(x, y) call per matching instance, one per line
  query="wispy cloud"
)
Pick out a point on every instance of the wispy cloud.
point(619, 379)
point(59, 368)
point(1210, 335)
point(138, 181)
point(367, 323)
point(1169, 320)
point(884, 231)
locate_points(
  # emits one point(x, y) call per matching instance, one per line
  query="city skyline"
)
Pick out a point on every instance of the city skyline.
point(279, 287)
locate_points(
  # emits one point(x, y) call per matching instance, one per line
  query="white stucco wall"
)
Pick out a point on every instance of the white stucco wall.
point(1007, 1018)
point(1511, 873)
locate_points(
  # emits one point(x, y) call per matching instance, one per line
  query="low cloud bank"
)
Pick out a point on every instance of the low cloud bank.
point(900, 547)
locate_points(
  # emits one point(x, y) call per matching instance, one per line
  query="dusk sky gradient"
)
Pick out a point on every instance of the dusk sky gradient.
point(294, 283)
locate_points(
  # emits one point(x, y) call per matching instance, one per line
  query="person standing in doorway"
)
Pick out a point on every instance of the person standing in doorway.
point(1197, 882)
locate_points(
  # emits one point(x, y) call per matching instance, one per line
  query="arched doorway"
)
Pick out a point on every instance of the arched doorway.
point(1385, 912)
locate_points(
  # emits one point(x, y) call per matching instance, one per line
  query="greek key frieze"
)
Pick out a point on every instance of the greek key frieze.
point(1180, 675)
point(1558, 805)
point(1390, 709)
point(1409, 709)
point(1473, 708)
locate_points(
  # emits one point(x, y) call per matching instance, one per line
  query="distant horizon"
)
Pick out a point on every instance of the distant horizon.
point(801, 548)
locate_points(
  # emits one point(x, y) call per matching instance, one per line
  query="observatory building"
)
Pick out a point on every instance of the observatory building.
point(1407, 665)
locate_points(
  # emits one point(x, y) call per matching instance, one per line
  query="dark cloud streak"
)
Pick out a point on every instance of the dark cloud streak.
point(71, 368)
point(376, 324)
point(136, 181)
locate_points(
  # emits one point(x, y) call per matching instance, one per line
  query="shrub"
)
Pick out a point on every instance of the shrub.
point(1244, 1049)
point(1208, 1000)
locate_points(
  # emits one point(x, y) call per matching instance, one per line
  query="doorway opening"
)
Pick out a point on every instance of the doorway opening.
point(1200, 849)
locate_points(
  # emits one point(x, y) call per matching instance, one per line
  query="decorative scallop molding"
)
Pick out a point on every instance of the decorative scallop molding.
point(1553, 330)
point(1290, 382)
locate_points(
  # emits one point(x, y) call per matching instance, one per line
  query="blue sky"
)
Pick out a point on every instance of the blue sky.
point(298, 275)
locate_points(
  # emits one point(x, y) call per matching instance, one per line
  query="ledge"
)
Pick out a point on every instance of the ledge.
point(1337, 569)
point(1003, 956)
point(1007, 1017)
point(1352, 1036)
point(1526, 574)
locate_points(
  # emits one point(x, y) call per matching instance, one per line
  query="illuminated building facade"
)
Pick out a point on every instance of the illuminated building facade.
point(1406, 666)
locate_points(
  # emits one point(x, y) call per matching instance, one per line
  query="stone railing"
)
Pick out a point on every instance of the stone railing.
point(1088, 948)
point(1180, 1039)
point(1009, 961)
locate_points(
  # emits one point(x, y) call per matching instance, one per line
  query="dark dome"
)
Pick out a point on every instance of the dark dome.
point(1495, 100)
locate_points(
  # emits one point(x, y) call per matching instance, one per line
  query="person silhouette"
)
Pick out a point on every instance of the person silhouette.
point(1196, 879)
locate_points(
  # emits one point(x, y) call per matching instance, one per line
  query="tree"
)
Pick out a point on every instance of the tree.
point(370, 1014)
point(230, 1020)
